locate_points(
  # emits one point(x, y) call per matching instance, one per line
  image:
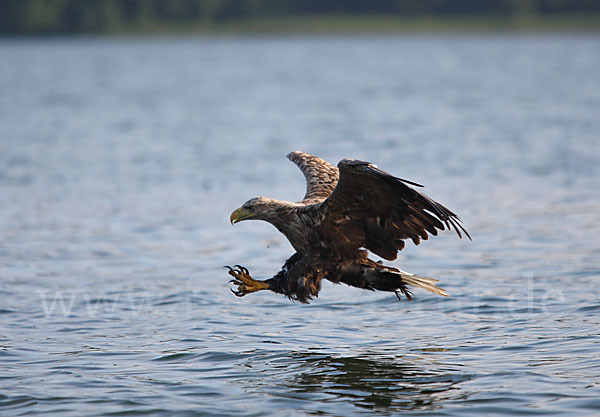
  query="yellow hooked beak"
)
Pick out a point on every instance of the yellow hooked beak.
point(240, 214)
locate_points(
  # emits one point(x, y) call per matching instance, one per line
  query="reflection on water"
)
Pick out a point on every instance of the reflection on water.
point(318, 382)
point(390, 384)
point(121, 160)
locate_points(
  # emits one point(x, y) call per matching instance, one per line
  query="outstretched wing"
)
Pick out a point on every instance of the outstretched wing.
point(373, 209)
point(321, 177)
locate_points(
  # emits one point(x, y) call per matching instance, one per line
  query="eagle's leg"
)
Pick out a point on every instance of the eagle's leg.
point(246, 284)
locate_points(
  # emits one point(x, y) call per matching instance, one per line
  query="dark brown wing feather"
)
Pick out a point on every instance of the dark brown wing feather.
point(373, 209)
point(321, 177)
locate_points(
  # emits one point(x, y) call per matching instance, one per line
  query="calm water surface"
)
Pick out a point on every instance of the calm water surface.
point(121, 159)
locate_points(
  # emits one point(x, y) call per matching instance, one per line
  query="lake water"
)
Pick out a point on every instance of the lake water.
point(121, 160)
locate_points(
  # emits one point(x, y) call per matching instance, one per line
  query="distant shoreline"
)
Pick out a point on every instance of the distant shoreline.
point(343, 24)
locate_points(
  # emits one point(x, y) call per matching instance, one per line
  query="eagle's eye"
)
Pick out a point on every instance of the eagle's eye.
point(248, 205)
point(254, 204)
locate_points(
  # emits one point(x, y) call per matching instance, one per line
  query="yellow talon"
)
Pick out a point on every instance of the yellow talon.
point(246, 284)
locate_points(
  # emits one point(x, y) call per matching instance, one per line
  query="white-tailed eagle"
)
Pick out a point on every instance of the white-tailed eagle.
point(346, 212)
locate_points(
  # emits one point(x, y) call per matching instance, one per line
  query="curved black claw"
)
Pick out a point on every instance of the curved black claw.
point(246, 284)
point(237, 293)
point(404, 291)
point(243, 269)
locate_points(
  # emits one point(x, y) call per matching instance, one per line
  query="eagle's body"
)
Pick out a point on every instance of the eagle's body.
point(346, 212)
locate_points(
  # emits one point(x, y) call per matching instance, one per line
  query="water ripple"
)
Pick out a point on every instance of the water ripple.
point(121, 159)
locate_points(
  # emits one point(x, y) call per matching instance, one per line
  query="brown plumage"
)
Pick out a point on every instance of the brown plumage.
point(346, 212)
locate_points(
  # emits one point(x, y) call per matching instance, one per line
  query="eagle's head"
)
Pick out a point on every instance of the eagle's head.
point(259, 208)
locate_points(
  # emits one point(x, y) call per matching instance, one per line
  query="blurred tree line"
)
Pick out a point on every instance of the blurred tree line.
point(96, 16)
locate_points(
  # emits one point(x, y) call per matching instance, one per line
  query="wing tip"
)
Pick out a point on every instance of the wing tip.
point(457, 225)
point(416, 184)
point(294, 154)
point(370, 167)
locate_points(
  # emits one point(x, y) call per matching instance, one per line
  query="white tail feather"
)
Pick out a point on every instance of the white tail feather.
point(423, 282)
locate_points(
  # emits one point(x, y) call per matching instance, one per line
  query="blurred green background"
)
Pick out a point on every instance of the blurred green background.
point(38, 17)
